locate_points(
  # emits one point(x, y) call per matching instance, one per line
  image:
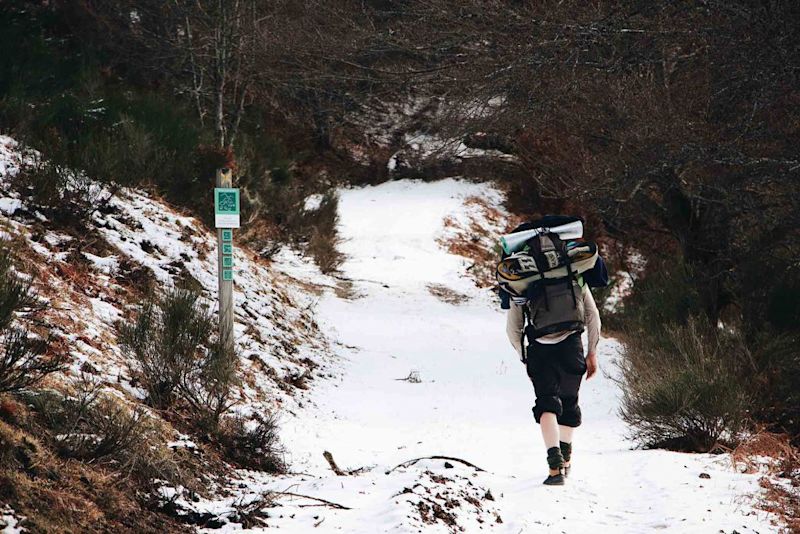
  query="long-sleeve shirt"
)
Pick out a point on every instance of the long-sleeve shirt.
point(591, 318)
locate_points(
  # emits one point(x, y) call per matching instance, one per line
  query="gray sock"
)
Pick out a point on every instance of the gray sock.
point(554, 458)
point(566, 450)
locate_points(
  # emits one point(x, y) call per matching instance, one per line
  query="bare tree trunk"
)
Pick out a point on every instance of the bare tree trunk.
point(221, 55)
point(197, 78)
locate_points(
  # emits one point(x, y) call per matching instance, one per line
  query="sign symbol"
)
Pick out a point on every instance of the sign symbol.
point(226, 207)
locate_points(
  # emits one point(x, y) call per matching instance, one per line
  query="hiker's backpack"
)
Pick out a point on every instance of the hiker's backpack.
point(544, 277)
point(545, 257)
point(516, 272)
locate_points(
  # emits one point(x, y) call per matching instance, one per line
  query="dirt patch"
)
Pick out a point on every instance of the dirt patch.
point(476, 238)
point(447, 295)
point(449, 500)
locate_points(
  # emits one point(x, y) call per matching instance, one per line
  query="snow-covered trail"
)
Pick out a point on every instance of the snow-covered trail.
point(473, 402)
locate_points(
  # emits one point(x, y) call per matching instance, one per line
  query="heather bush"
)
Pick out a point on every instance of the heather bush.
point(176, 357)
point(685, 388)
point(253, 444)
point(165, 341)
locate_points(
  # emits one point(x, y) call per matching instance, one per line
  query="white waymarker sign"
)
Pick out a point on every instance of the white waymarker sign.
point(226, 207)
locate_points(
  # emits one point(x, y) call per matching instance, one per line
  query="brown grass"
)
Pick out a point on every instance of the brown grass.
point(447, 295)
point(474, 240)
point(66, 496)
point(778, 499)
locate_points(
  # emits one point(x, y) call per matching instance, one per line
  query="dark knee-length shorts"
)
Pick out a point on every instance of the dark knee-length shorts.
point(556, 372)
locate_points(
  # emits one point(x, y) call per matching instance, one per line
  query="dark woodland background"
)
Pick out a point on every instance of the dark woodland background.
point(672, 127)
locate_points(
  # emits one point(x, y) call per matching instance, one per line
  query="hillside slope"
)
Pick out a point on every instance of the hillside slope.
point(94, 275)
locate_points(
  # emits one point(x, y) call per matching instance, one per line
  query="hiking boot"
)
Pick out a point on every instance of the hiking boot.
point(555, 461)
point(554, 480)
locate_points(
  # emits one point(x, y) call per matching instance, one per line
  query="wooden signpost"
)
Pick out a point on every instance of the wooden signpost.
point(226, 218)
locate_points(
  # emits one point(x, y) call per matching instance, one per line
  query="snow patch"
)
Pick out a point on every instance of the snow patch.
point(313, 202)
point(9, 523)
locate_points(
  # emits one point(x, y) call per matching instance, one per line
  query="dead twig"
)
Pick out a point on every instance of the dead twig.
point(413, 377)
point(339, 471)
point(322, 502)
point(329, 457)
point(450, 458)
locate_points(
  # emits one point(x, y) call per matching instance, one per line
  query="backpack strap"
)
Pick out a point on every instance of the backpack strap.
point(526, 320)
point(539, 244)
point(570, 278)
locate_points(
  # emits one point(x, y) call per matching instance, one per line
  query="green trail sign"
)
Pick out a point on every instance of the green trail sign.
point(226, 207)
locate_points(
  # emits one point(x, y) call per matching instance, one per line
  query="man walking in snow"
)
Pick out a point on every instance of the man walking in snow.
point(556, 365)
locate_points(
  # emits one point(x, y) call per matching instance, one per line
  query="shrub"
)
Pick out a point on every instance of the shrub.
point(208, 388)
point(24, 360)
point(253, 444)
point(324, 238)
point(683, 388)
point(124, 154)
point(666, 295)
point(176, 357)
point(166, 341)
point(777, 381)
point(94, 426)
point(68, 197)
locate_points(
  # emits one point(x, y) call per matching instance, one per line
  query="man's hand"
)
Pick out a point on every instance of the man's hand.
point(591, 365)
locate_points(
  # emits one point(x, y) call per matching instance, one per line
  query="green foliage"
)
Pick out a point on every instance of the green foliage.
point(686, 389)
point(166, 341)
point(176, 357)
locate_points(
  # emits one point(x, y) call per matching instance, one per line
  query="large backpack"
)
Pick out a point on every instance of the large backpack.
point(545, 257)
point(545, 278)
point(554, 303)
point(516, 272)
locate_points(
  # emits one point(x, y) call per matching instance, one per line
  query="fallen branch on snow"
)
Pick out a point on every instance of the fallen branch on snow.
point(329, 457)
point(322, 502)
point(342, 473)
point(452, 459)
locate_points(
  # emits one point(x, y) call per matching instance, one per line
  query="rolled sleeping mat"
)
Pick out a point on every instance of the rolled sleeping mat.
point(514, 241)
point(516, 273)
